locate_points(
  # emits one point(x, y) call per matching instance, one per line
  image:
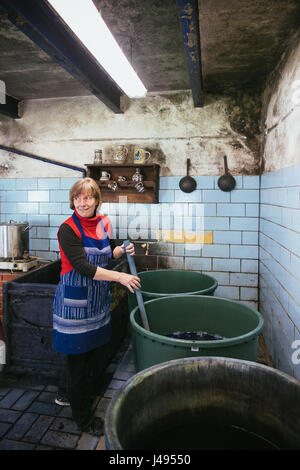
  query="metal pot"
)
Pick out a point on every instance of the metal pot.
point(14, 239)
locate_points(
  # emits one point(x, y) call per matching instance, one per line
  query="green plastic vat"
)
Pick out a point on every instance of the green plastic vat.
point(164, 282)
point(239, 325)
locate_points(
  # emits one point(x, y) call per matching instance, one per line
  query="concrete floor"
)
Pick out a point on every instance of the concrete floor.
point(30, 420)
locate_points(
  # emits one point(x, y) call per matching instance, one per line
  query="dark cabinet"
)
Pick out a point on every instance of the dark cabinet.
point(119, 182)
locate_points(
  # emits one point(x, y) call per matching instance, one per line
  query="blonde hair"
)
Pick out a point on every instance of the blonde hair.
point(88, 186)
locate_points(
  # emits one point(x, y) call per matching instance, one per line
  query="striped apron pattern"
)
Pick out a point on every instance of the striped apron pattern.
point(81, 308)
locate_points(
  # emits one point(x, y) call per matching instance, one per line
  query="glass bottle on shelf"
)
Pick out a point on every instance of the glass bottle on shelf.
point(98, 157)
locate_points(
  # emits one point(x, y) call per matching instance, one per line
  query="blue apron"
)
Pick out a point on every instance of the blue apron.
point(81, 308)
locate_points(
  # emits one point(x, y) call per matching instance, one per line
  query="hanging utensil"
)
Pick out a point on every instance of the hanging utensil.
point(226, 182)
point(187, 184)
point(138, 294)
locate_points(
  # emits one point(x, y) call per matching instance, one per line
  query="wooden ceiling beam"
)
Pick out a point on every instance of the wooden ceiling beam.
point(189, 20)
point(44, 27)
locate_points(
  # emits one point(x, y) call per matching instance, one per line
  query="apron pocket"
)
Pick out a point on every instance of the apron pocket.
point(75, 302)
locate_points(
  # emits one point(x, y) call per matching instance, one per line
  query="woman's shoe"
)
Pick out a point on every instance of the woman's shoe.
point(62, 400)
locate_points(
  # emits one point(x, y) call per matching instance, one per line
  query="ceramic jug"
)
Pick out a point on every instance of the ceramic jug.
point(105, 176)
point(137, 176)
point(121, 154)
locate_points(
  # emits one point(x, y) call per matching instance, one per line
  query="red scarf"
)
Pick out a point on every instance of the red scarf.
point(91, 227)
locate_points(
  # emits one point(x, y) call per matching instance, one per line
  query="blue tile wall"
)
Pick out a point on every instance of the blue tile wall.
point(255, 233)
point(279, 266)
point(232, 218)
point(43, 202)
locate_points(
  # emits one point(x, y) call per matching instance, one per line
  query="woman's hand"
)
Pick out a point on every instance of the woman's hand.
point(129, 249)
point(120, 250)
point(129, 281)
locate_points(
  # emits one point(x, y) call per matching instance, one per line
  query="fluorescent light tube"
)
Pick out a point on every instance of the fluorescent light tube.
point(86, 22)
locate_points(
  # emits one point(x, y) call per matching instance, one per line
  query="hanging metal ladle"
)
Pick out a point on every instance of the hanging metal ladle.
point(226, 182)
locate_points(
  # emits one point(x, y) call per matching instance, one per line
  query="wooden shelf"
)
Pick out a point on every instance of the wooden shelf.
point(126, 188)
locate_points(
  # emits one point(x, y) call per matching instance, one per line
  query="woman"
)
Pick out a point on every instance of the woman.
point(81, 316)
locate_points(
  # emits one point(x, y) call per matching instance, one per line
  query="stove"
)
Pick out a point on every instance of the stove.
point(22, 264)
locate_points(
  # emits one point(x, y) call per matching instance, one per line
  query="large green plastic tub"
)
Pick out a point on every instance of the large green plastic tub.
point(164, 282)
point(239, 325)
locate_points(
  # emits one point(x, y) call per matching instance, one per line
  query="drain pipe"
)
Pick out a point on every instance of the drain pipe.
point(43, 159)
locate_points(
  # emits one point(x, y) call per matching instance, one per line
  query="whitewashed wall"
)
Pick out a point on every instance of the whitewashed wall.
point(279, 236)
point(69, 130)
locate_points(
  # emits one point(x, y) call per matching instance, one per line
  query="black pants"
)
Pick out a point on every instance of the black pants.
point(80, 384)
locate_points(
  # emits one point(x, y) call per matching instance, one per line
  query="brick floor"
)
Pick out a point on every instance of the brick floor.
point(31, 420)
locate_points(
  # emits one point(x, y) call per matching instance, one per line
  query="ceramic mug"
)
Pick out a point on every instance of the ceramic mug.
point(141, 156)
point(121, 154)
point(140, 187)
point(121, 178)
point(113, 186)
point(105, 176)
